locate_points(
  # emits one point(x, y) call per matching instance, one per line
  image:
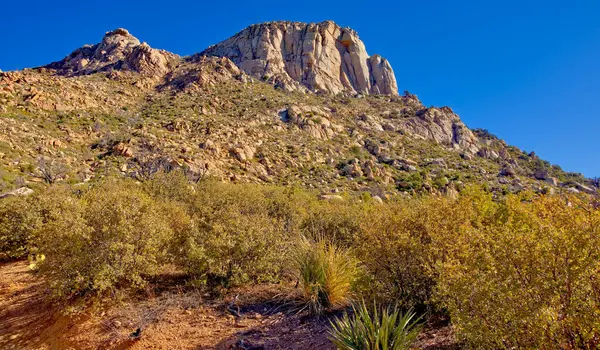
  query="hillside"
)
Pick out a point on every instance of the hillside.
point(283, 103)
point(275, 191)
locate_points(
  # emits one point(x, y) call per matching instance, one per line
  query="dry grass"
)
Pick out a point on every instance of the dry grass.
point(326, 274)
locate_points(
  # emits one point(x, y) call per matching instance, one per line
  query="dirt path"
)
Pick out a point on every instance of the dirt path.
point(172, 319)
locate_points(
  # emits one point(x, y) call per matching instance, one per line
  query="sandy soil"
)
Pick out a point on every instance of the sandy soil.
point(169, 318)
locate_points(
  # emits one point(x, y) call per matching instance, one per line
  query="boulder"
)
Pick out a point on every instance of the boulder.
point(122, 149)
point(22, 191)
point(508, 170)
point(331, 197)
point(314, 120)
point(583, 188)
point(442, 126)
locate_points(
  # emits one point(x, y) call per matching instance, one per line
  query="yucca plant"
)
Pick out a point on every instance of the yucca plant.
point(326, 274)
point(381, 329)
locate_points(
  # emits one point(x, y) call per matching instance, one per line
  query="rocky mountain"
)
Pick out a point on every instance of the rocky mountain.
point(118, 50)
point(280, 102)
point(321, 57)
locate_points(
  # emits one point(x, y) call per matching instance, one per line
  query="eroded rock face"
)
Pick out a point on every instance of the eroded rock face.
point(443, 126)
point(321, 57)
point(314, 120)
point(204, 71)
point(118, 50)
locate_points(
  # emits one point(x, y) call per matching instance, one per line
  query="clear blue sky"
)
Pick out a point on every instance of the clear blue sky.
point(528, 71)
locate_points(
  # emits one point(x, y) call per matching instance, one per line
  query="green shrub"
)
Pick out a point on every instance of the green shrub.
point(17, 222)
point(326, 275)
point(335, 221)
point(526, 275)
point(386, 329)
point(113, 237)
point(237, 237)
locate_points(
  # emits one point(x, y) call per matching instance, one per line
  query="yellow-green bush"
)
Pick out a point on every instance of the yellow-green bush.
point(398, 245)
point(337, 221)
point(526, 276)
point(17, 222)
point(113, 236)
point(236, 238)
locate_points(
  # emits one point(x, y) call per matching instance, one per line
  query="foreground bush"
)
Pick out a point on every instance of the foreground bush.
point(113, 237)
point(378, 329)
point(237, 238)
point(17, 222)
point(326, 274)
point(528, 277)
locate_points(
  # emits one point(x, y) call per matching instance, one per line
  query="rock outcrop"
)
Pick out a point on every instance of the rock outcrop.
point(314, 120)
point(443, 126)
point(118, 50)
point(321, 57)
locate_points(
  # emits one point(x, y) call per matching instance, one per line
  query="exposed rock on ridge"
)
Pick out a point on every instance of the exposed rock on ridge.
point(322, 57)
point(118, 50)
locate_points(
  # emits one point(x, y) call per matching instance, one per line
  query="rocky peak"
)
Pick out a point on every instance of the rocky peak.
point(321, 57)
point(118, 50)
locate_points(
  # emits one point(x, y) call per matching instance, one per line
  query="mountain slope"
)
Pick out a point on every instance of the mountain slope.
point(121, 107)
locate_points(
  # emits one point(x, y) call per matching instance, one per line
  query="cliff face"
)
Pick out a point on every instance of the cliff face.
point(321, 57)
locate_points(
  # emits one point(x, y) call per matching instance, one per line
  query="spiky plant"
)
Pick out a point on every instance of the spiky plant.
point(326, 274)
point(381, 329)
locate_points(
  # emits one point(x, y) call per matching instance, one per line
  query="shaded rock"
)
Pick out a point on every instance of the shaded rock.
point(508, 170)
point(331, 197)
point(122, 149)
point(314, 120)
point(488, 153)
point(22, 191)
point(583, 188)
point(440, 162)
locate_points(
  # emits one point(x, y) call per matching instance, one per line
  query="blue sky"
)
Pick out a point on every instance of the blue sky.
point(528, 71)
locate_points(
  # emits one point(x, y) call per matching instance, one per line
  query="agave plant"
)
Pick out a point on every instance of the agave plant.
point(381, 329)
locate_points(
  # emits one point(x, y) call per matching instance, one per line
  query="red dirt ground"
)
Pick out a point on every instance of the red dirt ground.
point(169, 319)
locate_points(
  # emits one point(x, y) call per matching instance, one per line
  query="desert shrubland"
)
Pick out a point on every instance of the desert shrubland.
point(519, 271)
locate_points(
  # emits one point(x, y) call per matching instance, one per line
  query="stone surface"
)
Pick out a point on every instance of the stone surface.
point(443, 126)
point(118, 50)
point(321, 57)
point(314, 120)
point(22, 191)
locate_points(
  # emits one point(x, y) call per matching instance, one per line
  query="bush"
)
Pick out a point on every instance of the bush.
point(170, 186)
point(17, 222)
point(238, 238)
point(398, 249)
point(526, 275)
point(113, 237)
point(337, 222)
point(386, 329)
point(326, 274)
